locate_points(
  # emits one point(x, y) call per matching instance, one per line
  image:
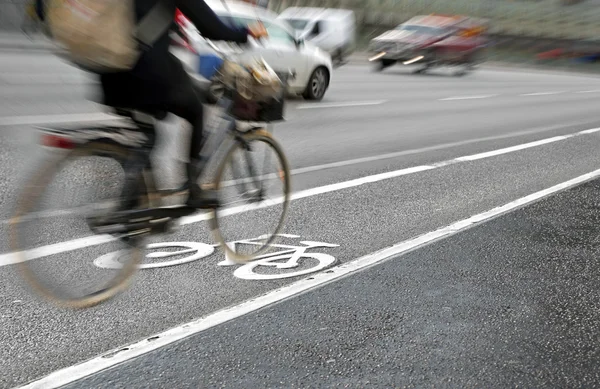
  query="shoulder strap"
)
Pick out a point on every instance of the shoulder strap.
point(155, 23)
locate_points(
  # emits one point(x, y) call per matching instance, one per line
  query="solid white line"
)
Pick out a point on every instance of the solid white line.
point(467, 97)
point(58, 248)
point(375, 158)
point(124, 354)
point(506, 150)
point(542, 93)
point(589, 91)
point(341, 104)
point(590, 131)
point(380, 157)
point(53, 119)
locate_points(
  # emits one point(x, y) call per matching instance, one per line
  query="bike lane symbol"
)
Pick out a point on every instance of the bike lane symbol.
point(287, 259)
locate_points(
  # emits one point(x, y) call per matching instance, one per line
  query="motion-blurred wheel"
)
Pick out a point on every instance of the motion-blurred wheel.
point(317, 84)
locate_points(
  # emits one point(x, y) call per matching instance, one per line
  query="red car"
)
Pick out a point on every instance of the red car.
point(431, 41)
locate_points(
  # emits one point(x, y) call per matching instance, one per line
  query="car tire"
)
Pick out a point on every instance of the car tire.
point(317, 84)
point(383, 64)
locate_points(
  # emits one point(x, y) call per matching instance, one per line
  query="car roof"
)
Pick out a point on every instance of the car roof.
point(435, 20)
point(442, 21)
point(314, 13)
point(240, 8)
point(244, 10)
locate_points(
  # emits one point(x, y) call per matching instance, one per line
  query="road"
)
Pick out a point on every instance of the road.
point(460, 213)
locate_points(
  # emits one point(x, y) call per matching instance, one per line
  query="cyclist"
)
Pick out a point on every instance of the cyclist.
point(159, 83)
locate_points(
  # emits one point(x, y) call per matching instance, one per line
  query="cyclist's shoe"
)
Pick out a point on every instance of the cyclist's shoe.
point(198, 197)
point(202, 198)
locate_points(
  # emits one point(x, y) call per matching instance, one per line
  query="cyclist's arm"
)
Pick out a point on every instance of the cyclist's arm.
point(209, 24)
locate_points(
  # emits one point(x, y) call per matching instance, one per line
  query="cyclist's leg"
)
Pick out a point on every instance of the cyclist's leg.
point(183, 101)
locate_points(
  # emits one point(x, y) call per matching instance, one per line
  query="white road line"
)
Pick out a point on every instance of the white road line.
point(590, 131)
point(589, 91)
point(375, 158)
point(124, 354)
point(341, 104)
point(54, 119)
point(513, 148)
point(63, 247)
point(380, 157)
point(467, 97)
point(542, 93)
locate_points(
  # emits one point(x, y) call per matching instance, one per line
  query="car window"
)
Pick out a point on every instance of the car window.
point(298, 24)
point(422, 29)
point(277, 34)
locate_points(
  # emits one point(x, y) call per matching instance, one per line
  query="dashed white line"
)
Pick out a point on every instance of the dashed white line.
point(589, 91)
point(129, 352)
point(341, 104)
point(63, 247)
point(467, 97)
point(542, 93)
point(57, 119)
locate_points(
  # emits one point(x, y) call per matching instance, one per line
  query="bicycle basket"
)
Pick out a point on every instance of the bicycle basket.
point(256, 91)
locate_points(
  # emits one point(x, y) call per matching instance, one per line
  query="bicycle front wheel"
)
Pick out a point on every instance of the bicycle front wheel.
point(51, 232)
point(253, 183)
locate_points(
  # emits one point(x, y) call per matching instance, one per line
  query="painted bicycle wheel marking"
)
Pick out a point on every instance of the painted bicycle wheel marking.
point(287, 259)
point(199, 250)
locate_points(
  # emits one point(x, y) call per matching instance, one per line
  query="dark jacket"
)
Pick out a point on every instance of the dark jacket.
point(157, 72)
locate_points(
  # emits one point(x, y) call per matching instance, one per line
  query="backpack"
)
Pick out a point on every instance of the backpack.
point(102, 36)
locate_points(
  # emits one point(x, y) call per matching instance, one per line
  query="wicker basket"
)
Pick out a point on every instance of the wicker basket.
point(258, 94)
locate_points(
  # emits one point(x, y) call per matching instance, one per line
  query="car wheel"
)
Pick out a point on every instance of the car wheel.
point(384, 63)
point(317, 84)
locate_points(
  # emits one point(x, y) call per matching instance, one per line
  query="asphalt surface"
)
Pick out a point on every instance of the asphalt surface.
point(513, 303)
point(415, 321)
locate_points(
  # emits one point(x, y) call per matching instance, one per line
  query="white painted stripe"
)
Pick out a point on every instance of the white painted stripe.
point(126, 353)
point(53, 119)
point(590, 131)
point(512, 149)
point(63, 247)
point(342, 104)
point(380, 157)
point(589, 91)
point(542, 93)
point(467, 97)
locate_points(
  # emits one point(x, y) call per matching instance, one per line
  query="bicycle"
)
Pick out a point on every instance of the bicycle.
point(136, 209)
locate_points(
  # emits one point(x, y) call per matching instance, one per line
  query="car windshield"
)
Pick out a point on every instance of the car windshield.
point(421, 29)
point(297, 24)
point(235, 21)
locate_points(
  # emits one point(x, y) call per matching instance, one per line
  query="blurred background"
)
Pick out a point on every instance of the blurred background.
point(563, 33)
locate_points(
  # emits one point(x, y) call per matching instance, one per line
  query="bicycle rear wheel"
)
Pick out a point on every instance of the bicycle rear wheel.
point(253, 183)
point(51, 229)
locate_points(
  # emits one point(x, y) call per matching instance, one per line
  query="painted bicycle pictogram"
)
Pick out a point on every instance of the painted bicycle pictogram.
point(282, 263)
